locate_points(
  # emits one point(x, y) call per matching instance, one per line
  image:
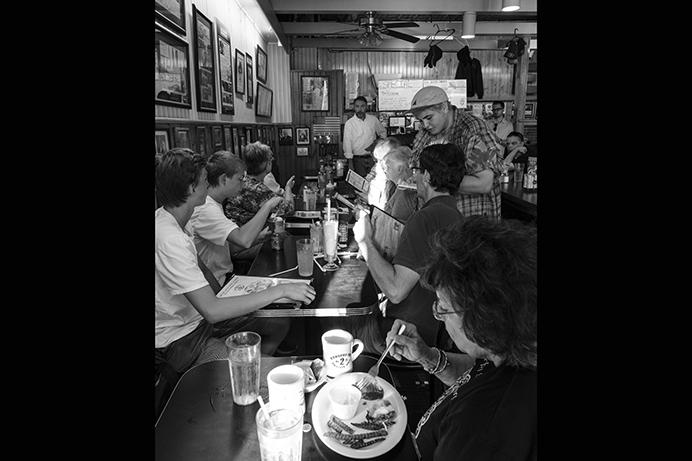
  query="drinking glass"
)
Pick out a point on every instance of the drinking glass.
point(304, 248)
point(244, 359)
point(311, 199)
point(331, 229)
point(316, 236)
point(280, 437)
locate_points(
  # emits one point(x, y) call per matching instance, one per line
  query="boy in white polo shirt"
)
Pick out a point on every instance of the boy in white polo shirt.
point(212, 229)
point(191, 323)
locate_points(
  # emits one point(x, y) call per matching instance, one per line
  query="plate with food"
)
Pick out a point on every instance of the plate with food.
point(358, 423)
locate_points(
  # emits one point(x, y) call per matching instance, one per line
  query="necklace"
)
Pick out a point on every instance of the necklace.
point(453, 390)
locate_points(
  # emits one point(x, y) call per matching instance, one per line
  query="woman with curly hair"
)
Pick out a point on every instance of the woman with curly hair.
point(484, 275)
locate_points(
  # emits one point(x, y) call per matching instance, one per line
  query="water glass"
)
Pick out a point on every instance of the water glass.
point(244, 360)
point(304, 252)
point(316, 236)
point(310, 197)
point(280, 437)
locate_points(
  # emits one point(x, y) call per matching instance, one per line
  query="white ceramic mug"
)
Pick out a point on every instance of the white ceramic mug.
point(286, 384)
point(337, 347)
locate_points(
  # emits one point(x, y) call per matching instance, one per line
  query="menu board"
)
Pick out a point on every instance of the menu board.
point(397, 94)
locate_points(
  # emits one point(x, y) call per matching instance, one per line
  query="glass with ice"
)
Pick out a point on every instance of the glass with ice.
point(244, 361)
point(280, 438)
point(331, 229)
point(304, 248)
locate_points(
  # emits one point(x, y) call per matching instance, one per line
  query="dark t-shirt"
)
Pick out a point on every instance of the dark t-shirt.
point(493, 417)
point(413, 252)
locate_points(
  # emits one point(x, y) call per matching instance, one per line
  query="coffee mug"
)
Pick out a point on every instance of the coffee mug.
point(286, 384)
point(337, 347)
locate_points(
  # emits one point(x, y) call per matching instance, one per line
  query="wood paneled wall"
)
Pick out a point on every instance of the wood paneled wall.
point(497, 74)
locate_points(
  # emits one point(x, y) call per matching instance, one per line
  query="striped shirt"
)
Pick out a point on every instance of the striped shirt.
point(483, 152)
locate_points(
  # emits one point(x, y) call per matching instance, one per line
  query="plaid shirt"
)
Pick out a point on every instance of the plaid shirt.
point(483, 152)
point(244, 206)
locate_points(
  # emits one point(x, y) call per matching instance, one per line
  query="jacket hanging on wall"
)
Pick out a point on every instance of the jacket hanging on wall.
point(470, 69)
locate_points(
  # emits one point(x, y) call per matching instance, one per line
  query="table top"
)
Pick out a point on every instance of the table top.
point(513, 192)
point(348, 291)
point(200, 421)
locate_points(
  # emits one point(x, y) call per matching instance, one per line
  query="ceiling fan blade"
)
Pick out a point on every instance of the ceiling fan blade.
point(395, 34)
point(343, 31)
point(400, 24)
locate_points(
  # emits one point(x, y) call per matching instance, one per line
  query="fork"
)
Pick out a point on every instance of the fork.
point(374, 370)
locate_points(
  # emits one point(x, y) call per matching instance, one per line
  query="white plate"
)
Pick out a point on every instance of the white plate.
point(321, 411)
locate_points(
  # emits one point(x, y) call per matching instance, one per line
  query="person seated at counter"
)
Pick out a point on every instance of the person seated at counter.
point(380, 188)
point(243, 207)
point(403, 202)
point(437, 178)
point(191, 323)
point(516, 151)
point(484, 276)
point(213, 231)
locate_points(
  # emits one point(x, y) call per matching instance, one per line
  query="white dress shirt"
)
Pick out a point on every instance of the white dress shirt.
point(359, 134)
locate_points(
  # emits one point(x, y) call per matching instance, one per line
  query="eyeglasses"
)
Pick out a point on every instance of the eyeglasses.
point(436, 312)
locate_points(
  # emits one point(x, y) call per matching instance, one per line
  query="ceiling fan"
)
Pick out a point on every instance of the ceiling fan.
point(372, 26)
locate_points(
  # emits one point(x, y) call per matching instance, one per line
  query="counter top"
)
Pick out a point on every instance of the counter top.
point(513, 193)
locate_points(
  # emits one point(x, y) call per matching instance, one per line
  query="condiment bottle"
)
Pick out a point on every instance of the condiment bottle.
point(531, 176)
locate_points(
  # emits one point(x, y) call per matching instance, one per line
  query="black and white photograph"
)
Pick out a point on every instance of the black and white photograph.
point(377, 208)
point(303, 135)
point(285, 136)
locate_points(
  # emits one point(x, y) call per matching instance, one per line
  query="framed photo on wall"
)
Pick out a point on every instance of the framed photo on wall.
point(261, 58)
point(204, 62)
point(285, 136)
point(249, 135)
point(201, 140)
point(236, 141)
point(303, 135)
point(248, 61)
point(223, 47)
point(171, 71)
point(228, 139)
point(301, 151)
point(528, 110)
point(314, 95)
point(182, 137)
point(161, 141)
point(239, 72)
point(171, 13)
point(217, 138)
point(263, 108)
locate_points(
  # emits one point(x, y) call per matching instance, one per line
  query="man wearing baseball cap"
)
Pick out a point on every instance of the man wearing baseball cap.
point(479, 191)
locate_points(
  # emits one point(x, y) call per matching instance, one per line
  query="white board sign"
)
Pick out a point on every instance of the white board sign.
point(397, 94)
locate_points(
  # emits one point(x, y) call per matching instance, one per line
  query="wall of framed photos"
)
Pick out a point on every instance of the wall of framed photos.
point(202, 49)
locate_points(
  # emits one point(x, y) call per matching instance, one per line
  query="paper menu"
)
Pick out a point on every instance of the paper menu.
point(245, 284)
point(357, 181)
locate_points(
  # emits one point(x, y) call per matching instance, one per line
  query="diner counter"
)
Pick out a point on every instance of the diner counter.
point(514, 196)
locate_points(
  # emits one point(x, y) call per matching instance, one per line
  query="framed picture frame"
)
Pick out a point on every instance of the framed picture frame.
point(204, 62)
point(248, 73)
point(239, 72)
point(249, 135)
point(182, 137)
point(314, 93)
point(303, 135)
point(263, 107)
point(201, 138)
point(529, 110)
point(227, 138)
point(397, 121)
point(285, 136)
point(261, 59)
point(171, 13)
point(224, 50)
point(236, 141)
point(301, 151)
point(161, 141)
point(171, 71)
point(216, 138)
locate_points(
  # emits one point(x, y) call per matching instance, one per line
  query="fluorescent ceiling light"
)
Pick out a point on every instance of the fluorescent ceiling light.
point(511, 5)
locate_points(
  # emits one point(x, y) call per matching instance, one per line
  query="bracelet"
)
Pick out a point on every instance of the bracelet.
point(444, 366)
point(437, 365)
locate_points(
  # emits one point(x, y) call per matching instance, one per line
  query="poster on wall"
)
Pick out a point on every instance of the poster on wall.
point(171, 71)
point(398, 94)
point(225, 69)
point(263, 108)
point(239, 72)
point(261, 65)
point(351, 79)
point(248, 62)
point(314, 93)
point(161, 141)
point(204, 62)
point(171, 13)
point(182, 137)
point(228, 140)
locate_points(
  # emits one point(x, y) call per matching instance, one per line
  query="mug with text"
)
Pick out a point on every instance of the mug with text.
point(337, 347)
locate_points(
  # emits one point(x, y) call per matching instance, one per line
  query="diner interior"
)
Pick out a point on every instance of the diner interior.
point(278, 84)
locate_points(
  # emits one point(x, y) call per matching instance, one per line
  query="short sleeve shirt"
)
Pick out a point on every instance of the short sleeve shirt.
point(175, 272)
point(483, 152)
point(211, 228)
point(244, 206)
point(413, 252)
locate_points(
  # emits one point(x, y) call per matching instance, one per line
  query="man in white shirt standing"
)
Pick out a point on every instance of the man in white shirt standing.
point(497, 123)
point(360, 135)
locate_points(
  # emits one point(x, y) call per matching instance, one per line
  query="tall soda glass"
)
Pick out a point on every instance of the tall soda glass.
point(331, 229)
point(244, 360)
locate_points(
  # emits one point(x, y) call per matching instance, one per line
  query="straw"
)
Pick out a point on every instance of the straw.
point(265, 411)
point(329, 209)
